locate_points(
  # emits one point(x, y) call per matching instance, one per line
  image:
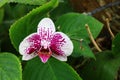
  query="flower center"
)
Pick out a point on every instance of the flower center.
point(44, 50)
point(45, 44)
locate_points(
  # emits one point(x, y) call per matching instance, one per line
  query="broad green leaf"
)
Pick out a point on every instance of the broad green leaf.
point(73, 24)
point(84, 49)
point(63, 7)
point(10, 67)
point(15, 11)
point(52, 70)
point(31, 2)
point(28, 24)
point(2, 2)
point(105, 67)
point(116, 44)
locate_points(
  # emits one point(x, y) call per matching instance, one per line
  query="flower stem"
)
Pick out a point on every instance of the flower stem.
point(108, 27)
point(92, 39)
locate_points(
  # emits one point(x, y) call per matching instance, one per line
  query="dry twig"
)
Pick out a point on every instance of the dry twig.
point(92, 39)
point(108, 27)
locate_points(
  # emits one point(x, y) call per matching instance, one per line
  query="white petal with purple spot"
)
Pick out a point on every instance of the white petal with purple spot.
point(29, 45)
point(61, 45)
point(46, 28)
point(29, 56)
point(60, 57)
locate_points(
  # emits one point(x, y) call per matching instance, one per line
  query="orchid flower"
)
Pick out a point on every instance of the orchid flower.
point(46, 43)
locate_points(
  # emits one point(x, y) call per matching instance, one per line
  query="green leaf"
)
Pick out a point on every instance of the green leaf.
point(105, 67)
point(116, 44)
point(63, 7)
point(15, 11)
point(31, 2)
point(28, 24)
point(73, 24)
point(52, 70)
point(10, 67)
point(2, 2)
point(84, 49)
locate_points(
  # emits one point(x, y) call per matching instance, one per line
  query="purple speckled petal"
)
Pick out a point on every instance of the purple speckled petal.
point(46, 28)
point(60, 57)
point(61, 46)
point(29, 56)
point(30, 45)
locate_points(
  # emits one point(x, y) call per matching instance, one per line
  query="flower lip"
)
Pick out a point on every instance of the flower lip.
point(44, 54)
